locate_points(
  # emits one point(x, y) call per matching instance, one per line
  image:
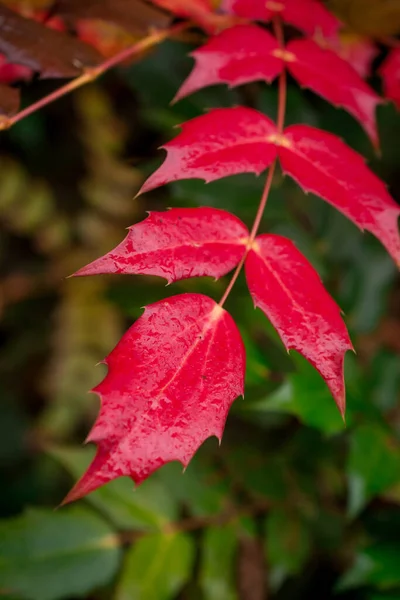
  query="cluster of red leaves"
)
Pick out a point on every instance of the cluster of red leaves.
point(111, 25)
point(174, 375)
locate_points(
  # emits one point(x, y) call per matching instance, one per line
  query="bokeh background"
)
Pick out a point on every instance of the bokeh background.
point(293, 504)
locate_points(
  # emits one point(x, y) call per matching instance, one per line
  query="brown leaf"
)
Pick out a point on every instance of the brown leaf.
point(135, 16)
point(9, 100)
point(50, 52)
point(375, 18)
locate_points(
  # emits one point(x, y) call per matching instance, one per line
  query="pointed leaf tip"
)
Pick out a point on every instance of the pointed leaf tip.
point(333, 78)
point(177, 244)
point(236, 56)
point(289, 291)
point(324, 165)
point(223, 142)
point(171, 381)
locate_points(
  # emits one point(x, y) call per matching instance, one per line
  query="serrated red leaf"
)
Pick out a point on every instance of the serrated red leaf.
point(331, 77)
point(289, 291)
point(195, 355)
point(248, 53)
point(390, 72)
point(324, 165)
point(223, 142)
point(177, 244)
point(241, 140)
point(310, 16)
point(236, 56)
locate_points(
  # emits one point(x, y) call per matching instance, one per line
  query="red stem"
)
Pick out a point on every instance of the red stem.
point(282, 93)
point(93, 73)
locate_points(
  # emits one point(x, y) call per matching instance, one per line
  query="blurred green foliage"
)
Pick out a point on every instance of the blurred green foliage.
point(293, 504)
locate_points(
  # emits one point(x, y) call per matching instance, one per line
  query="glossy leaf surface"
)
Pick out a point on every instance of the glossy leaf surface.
point(248, 53)
point(227, 141)
point(310, 16)
point(390, 72)
point(177, 244)
point(194, 352)
point(324, 165)
point(220, 143)
point(331, 77)
point(289, 291)
point(238, 55)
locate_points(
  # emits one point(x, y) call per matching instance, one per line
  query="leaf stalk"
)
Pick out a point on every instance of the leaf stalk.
point(282, 96)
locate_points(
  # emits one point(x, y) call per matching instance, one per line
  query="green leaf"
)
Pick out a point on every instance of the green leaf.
point(304, 395)
point(287, 543)
point(217, 567)
point(147, 507)
point(377, 566)
point(373, 465)
point(47, 555)
point(156, 567)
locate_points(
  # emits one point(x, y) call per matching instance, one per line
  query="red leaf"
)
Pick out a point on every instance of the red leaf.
point(289, 291)
point(248, 53)
point(241, 140)
point(324, 165)
point(334, 79)
point(309, 16)
point(390, 72)
point(223, 142)
point(199, 11)
point(237, 55)
point(194, 353)
point(177, 244)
